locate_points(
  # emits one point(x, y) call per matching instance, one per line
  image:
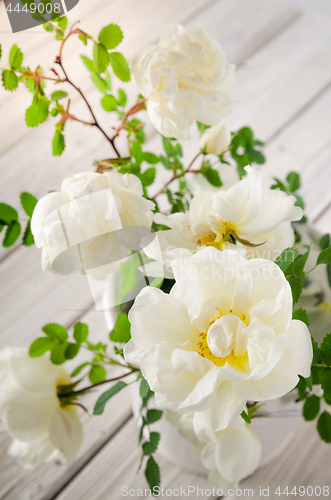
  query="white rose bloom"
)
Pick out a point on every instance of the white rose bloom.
point(254, 213)
point(223, 336)
point(230, 455)
point(216, 140)
point(92, 223)
point(185, 78)
point(30, 410)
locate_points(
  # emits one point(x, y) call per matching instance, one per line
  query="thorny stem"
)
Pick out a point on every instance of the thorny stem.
point(178, 176)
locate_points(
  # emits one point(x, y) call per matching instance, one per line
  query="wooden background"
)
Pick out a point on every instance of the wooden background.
point(282, 49)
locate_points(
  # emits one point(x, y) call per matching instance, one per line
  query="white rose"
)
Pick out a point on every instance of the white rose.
point(216, 140)
point(185, 78)
point(253, 212)
point(92, 223)
point(230, 455)
point(31, 412)
point(223, 336)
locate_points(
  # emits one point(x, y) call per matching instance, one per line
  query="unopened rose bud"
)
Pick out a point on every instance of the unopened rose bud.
point(216, 140)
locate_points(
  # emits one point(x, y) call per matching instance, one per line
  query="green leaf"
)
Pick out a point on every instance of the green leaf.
point(328, 273)
point(144, 388)
point(97, 374)
point(152, 474)
point(299, 203)
point(316, 352)
point(72, 350)
point(151, 158)
point(325, 350)
point(121, 332)
point(296, 284)
point(325, 380)
point(106, 396)
point(82, 38)
point(12, 233)
point(8, 214)
point(150, 447)
point(213, 177)
point(122, 98)
point(48, 27)
point(324, 426)
point(255, 156)
point(55, 331)
point(301, 386)
point(153, 416)
point(285, 259)
point(0, 51)
point(62, 22)
point(120, 66)
point(99, 82)
point(58, 354)
point(299, 263)
point(28, 238)
point(324, 257)
point(325, 241)
point(80, 332)
point(58, 143)
point(147, 178)
point(37, 113)
point(9, 80)
point(59, 94)
point(40, 346)
point(109, 103)
point(88, 63)
point(15, 57)
point(311, 408)
point(137, 153)
point(129, 276)
point(110, 36)
point(293, 180)
point(28, 202)
point(301, 315)
point(79, 369)
point(100, 57)
point(245, 416)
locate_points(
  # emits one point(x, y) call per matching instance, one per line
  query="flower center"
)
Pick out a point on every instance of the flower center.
point(225, 342)
point(214, 232)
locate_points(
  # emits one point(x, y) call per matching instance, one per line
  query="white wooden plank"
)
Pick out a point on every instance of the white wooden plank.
point(323, 223)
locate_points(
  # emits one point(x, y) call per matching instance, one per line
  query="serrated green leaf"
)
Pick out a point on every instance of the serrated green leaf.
point(328, 273)
point(48, 27)
point(99, 82)
point(311, 408)
point(37, 113)
point(58, 354)
point(106, 396)
point(28, 238)
point(152, 474)
point(324, 257)
point(316, 352)
point(301, 315)
point(120, 66)
point(97, 374)
point(147, 178)
point(299, 263)
point(88, 63)
point(79, 369)
point(28, 202)
point(55, 331)
point(122, 98)
point(121, 332)
point(62, 22)
point(58, 143)
point(15, 57)
point(12, 233)
point(80, 332)
point(293, 180)
point(71, 350)
point(144, 388)
point(59, 94)
point(8, 214)
point(325, 350)
point(325, 380)
point(9, 80)
point(285, 259)
point(245, 417)
point(296, 284)
point(324, 242)
point(150, 447)
point(100, 57)
point(153, 416)
point(301, 386)
point(0, 51)
point(324, 426)
point(110, 36)
point(40, 346)
point(151, 158)
point(109, 103)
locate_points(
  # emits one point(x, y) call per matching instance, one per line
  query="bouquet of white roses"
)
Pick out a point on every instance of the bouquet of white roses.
point(213, 285)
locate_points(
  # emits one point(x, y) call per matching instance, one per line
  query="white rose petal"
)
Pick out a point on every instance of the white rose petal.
point(216, 140)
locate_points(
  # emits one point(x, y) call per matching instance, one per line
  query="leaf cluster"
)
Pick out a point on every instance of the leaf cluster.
point(9, 220)
point(243, 149)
